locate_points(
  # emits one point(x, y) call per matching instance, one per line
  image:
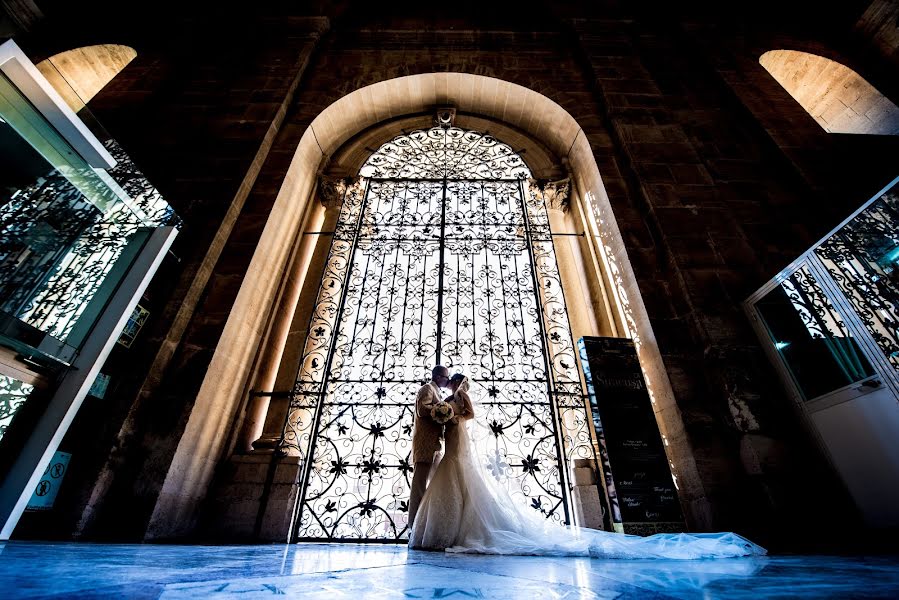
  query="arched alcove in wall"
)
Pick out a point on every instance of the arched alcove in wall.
point(839, 99)
point(79, 74)
point(268, 282)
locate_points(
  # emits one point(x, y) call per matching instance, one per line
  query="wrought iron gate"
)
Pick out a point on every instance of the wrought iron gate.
point(428, 271)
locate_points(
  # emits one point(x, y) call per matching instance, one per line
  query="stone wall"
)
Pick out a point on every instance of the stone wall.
point(197, 109)
point(717, 180)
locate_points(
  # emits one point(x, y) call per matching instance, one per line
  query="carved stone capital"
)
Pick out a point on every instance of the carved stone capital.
point(555, 193)
point(331, 190)
point(535, 187)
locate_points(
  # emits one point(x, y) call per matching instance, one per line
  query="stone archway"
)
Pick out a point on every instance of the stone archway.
point(836, 97)
point(268, 284)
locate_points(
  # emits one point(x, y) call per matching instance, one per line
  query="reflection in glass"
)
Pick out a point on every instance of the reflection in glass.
point(63, 224)
point(42, 214)
point(68, 235)
point(862, 257)
point(13, 394)
point(811, 337)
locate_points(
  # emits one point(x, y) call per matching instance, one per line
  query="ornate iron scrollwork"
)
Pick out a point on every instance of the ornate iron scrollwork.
point(862, 258)
point(456, 267)
point(58, 248)
point(450, 153)
point(13, 394)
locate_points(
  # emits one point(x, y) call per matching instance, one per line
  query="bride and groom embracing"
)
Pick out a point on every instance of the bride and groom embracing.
point(457, 506)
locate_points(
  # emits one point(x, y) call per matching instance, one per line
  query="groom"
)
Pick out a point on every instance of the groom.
point(426, 436)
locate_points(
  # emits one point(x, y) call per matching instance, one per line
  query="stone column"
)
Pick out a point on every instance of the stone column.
point(585, 493)
point(569, 259)
point(273, 345)
point(256, 492)
point(282, 375)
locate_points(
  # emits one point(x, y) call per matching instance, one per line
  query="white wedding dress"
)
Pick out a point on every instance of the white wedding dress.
point(465, 510)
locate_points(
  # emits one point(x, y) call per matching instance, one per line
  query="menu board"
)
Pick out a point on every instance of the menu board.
point(638, 474)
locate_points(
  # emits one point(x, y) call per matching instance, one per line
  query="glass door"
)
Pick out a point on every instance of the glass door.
point(830, 324)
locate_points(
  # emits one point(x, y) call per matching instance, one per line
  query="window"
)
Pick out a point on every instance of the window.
point(838, 98)
point(442, 255)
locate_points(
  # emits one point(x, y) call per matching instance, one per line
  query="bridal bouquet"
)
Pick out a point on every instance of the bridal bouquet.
point(442, 413)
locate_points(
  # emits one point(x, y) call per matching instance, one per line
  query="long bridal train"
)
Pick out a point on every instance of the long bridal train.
point(465, 510)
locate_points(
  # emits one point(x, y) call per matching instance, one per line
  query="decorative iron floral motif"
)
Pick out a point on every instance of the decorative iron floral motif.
point(449, 153)
point(458, 268)
point(812, 305)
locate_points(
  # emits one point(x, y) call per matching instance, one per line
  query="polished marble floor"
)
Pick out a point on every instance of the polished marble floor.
point(314, 571)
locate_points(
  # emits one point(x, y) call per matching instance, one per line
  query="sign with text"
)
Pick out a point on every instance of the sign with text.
point(622, 411)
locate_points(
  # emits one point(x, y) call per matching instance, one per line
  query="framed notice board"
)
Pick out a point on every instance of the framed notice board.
point(637, 472)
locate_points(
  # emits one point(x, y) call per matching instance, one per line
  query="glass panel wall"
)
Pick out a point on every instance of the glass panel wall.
point(63, 227)
point(829, 323)
point(862, 257)
point(833, 317)
point(68, 235)
point(13, 394)
point(810, 336)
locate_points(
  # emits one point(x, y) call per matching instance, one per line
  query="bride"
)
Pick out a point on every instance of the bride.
point(465, 510)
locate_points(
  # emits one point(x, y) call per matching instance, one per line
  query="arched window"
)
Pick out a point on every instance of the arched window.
point(445, 153)
point(79, 74)
point(442, 254)
point(838, 98)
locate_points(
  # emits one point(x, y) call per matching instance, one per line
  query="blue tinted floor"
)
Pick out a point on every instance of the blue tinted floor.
point(49, 570)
